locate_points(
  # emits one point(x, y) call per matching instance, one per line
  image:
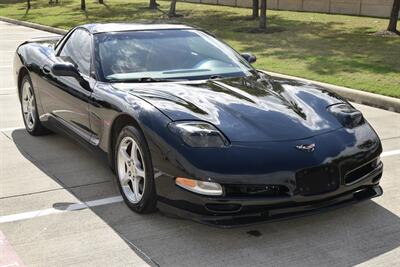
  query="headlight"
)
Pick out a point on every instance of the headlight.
point(200, 187)
point(348, 116)
point(199, 134)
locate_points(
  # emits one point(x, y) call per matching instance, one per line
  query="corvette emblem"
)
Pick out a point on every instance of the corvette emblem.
point(306, 148)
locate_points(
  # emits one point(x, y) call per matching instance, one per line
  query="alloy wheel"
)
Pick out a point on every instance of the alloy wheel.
point(131, 169)
point(28, 105)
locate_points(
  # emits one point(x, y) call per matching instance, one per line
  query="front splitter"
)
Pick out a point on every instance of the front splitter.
point(271, 214)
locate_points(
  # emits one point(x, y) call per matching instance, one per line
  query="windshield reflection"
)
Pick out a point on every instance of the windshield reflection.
point(165, 54)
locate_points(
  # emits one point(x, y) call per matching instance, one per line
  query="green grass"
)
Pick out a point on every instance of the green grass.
point(336, 49)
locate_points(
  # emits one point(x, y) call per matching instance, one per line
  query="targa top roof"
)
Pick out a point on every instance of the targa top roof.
point(121, 27)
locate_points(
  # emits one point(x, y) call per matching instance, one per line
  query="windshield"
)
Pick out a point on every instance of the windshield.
point(165, 54)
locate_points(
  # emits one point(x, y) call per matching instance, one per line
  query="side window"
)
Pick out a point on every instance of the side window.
point(77, 49)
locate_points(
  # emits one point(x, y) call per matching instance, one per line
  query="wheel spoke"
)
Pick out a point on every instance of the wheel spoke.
point(26, 116)
point(124, 154)
point(30, 117)
point(24, 105)
point(139, 172)
point(125, 180)
point(135, 186)
point(134, 153)
point(28, 93)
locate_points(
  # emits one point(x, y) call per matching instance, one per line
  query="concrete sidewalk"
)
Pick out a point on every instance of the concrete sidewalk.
point(45, 180)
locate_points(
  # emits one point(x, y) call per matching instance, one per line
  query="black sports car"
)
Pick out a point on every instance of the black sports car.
point(190, 127)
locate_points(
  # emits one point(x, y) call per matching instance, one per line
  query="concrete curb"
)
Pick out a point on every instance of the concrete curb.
point(361, 97)
point(34, 25)
point(357, 96)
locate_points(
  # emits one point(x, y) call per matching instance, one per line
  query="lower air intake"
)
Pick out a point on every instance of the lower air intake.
point(256, 190)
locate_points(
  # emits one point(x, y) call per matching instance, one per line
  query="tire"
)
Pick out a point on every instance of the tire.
point(29, 108)
point(134, 170)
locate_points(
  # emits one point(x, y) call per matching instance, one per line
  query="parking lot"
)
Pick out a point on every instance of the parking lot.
point(60, 206)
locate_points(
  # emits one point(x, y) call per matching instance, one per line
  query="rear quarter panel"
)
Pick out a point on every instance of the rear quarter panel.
point(31, 56)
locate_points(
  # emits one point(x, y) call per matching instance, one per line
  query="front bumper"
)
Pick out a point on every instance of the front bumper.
point(234, 211)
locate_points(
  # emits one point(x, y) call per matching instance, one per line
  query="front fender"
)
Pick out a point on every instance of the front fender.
point(108, 105)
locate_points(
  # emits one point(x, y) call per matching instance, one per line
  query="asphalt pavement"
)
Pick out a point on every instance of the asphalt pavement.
point(60, 206)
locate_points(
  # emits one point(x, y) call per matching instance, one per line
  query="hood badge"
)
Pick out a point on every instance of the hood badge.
point(306, 148)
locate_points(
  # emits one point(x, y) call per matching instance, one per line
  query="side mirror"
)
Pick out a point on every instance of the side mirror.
point(65, 69)
point(68, 69)
point(249, 57)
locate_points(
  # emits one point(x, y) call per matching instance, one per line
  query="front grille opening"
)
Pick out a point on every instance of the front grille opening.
point(317, 180)
point(256, 190)
point(360, 172)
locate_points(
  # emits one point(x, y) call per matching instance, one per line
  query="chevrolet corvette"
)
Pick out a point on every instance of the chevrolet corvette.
point(191, 128)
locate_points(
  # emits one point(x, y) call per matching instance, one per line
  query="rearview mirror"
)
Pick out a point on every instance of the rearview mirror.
point(249, 57)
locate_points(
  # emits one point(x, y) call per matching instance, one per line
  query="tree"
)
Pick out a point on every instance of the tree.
point(28, 4)
point(101, 2)
point(153, 4)
point(255, 9)
point(394, 16)
point(83, 5)
point(172, 9)
point(263, 14)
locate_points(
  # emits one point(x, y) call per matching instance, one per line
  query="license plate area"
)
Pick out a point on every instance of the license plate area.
point(317, 181)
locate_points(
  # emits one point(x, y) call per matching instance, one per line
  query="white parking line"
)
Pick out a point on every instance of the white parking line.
point(390, 153)
point(72, 207)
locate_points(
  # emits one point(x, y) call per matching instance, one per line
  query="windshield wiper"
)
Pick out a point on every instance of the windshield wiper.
point(144, 80)
point(215, 77)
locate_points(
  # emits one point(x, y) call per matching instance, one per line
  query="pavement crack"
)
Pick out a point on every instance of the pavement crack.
point(8, 137)
point(139, 252)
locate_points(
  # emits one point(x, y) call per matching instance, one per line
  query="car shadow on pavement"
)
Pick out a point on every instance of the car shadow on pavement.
point(343, 237)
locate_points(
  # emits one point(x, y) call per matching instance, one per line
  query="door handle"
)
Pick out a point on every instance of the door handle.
point(46, 69)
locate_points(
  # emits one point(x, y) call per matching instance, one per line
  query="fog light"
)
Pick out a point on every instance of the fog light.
point(200, 187)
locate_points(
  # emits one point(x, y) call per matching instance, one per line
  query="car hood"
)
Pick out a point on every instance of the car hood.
point(246, 109)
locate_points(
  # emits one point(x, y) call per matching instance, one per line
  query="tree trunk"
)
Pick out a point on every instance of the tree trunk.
point(101, 2)
point(172, 8)
point(153, 4)
point(255, 9)
point(28, 3)
point(263, 14)
point(83, 5)
point(394, 16)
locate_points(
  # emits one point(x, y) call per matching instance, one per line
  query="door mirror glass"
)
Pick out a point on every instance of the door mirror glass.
point(249, 57)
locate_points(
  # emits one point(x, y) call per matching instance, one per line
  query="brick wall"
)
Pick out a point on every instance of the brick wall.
point(376, 8)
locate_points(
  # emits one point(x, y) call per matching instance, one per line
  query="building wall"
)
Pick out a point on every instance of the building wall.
point(375, 8)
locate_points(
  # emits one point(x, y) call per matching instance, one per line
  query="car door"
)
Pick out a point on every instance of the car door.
point(67, 99)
